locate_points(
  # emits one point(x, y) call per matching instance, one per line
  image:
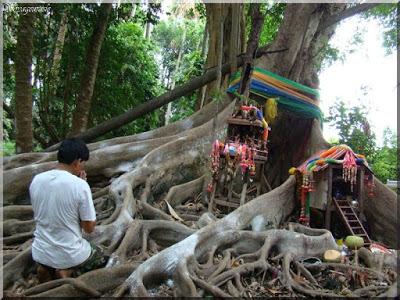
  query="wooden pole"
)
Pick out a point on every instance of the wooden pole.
point(329, 200)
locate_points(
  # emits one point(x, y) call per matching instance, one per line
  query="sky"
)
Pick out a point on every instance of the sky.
point(367, 66)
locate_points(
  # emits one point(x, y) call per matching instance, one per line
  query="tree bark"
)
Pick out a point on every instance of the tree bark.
point(346, 14)
point(202, 92)
point(234, 39)
point(220, 47)
point(23, 85)
point(257, 21)
point(58, 48)
point(133, 10)
point(147, 28)
point(213, 13)
point(290, 134)
point(175, 74)
point(88, 78)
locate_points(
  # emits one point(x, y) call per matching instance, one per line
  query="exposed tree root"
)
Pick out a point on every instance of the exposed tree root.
point(15, 268)
point(153, 254)
point(14, 226)
point(20, 212)
point(179, 193)
point(76, 283)
point(162, 233)
point(100, 280)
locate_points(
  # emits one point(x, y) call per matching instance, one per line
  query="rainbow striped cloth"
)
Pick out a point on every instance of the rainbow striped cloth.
point(289, 94)
point(333, 155)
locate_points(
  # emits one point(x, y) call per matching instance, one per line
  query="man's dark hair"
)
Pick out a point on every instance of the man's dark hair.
point(72, 149)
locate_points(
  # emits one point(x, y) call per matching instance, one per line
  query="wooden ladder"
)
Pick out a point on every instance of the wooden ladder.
point(352, 222)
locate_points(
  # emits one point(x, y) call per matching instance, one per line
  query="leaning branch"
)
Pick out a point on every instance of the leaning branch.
point(160, 101)
point(347, 14)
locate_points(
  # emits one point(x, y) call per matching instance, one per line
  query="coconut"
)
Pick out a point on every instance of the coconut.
point(354, 242)
point(332, 256)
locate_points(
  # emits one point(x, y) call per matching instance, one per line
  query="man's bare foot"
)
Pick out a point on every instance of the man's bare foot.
point(64, 273)
point(43, 274)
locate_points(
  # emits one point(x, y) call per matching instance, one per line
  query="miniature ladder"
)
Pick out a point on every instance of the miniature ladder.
point(351, 220)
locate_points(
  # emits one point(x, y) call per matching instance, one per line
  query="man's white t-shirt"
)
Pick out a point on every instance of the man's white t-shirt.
point(60, 201)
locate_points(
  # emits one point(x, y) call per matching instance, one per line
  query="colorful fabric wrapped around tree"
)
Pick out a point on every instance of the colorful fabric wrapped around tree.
point(289, 94)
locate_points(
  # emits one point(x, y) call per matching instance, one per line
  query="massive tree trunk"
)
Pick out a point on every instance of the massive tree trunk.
point(58, 48)
point(52, 80)
point(217, 12)
point(149, 194)
point(257, 21)
point(88, 78)
point(291, 135)
point(23, 85)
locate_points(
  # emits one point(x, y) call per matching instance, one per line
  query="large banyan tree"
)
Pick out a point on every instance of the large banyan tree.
point(149, 190)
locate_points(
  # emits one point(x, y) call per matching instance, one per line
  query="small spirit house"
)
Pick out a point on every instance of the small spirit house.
point(332, 184)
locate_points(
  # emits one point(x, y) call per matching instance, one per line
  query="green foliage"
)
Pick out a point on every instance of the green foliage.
point(200, 9)
point(384, 163)
point(331, 55)
point(387, 15)
point(8, 148)
point(353, 128)
point(185, 106)
point(272, 21)
point(56, 109)
point(147, 14)
point(126, 77)
point(168, 38)
point(8, 127)
point(333, 141)
point(171, 37)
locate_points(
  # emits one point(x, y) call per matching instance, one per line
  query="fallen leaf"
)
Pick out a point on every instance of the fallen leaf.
point(173, 213)
point(272, 291)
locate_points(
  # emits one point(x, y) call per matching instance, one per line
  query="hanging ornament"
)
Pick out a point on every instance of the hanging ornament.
point(350, 169)
point(271, 110)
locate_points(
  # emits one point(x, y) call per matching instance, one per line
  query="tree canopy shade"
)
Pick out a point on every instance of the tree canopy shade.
point(124, 50)
point(150, 188)
point(54, 97)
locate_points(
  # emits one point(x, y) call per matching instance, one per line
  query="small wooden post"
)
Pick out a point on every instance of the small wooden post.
point(361, 191)
point(244, 189)
point(230, 190)
point(243, 195)
point(328, 200)
point(265, 181)
point(211, 203)
point(259, 179)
